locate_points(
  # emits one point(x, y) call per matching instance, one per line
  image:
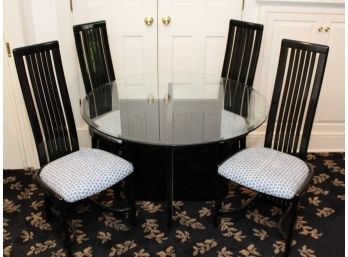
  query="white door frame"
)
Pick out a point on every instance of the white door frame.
point(13, 34)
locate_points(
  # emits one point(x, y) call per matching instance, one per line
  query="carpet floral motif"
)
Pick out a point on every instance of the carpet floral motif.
point(253, 232)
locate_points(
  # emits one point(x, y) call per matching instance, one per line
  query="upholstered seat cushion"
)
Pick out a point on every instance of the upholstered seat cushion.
point(232, 124)
point(110, 123)
point(267, 171)
point(83, 173)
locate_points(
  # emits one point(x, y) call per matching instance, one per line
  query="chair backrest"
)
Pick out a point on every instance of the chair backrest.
point(94, 55)
point(242, 51)
point(295, 97)
point(41, 77)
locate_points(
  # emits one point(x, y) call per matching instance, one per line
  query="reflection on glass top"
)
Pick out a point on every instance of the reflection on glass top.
point(174, 109)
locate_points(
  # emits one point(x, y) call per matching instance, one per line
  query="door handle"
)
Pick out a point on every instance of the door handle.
point(148, 20)
point(166, 20)
point(166, 99)
point(150, 99)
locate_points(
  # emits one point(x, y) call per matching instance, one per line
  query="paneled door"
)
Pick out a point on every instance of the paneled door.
point(133, 42)
point(192, 37)
point(193, 34)
point(18, 142)
point(163, 35)
point(334, 86)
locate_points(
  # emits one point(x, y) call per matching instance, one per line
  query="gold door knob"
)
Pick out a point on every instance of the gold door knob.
point(166, 20)
point(327, 29)
point(166, 99)
point(150, 99)
point(321, 29)
point(148, 20)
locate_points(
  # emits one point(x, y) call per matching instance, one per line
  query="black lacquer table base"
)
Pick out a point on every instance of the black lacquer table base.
point(168, 173)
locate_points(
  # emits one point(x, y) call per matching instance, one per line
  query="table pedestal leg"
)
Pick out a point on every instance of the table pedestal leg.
point(169, 180)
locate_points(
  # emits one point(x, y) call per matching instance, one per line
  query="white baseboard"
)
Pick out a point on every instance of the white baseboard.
point(325, 137)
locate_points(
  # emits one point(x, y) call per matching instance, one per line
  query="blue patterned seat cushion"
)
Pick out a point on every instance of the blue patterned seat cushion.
point(232, 124)
point(83, 173)
point(267, 171)
point(110, 123)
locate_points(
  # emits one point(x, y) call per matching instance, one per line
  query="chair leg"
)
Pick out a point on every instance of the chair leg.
point(65, 227)
point(293, 218)
point(242, 143)
point(131, 198)
point(48, 213)
point(95, 143)
point(218, 193)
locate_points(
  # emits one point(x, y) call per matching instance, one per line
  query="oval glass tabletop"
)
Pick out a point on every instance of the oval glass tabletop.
point(174, 109)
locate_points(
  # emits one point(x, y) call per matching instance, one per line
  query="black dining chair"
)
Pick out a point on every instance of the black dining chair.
point(279, 171)
point(241, 56)
point(68, 174)
point(92, 45)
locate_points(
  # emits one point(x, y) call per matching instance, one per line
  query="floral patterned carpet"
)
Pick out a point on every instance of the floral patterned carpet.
point(252, 232)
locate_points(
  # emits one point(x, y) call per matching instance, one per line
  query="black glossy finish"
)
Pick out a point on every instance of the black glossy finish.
point(93, 50)
point(92, 45)
point(242, 51)
point(241, 56)
point(295, 97)
point(46, 97)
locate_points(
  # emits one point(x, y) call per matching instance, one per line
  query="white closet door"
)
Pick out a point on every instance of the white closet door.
point(332, 92)
point(133, 44)
point(18, 142)
point(195, 39)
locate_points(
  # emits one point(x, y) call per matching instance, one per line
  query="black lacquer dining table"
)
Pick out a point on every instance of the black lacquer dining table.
point(174, 111)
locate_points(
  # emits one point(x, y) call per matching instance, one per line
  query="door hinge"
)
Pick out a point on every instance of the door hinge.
point(8, 48)
point(243, 4)
point(71, 5)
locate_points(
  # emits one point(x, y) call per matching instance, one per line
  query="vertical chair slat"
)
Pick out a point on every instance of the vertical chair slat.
point(237, 54)
point(245, 65)
point(302, 108)
point(254, 57)
point(318, 80)
point(282, 101)
point(287, 102)
point(269, 141)
point(40, 101)
point(292, 147)
point(228, 51)
point(74, 146)
point(57, 108)
point(42, 67)
point(294, 103)
point(33, 115)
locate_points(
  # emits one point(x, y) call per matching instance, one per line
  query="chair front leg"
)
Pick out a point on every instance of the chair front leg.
point(47, 203)
point(65, 227)
point(242, 143)
point(131, 198)
point(218, 193)
point(95, 142)
point(293, 218)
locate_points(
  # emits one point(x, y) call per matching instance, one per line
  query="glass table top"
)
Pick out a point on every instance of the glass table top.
point(174, 109)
